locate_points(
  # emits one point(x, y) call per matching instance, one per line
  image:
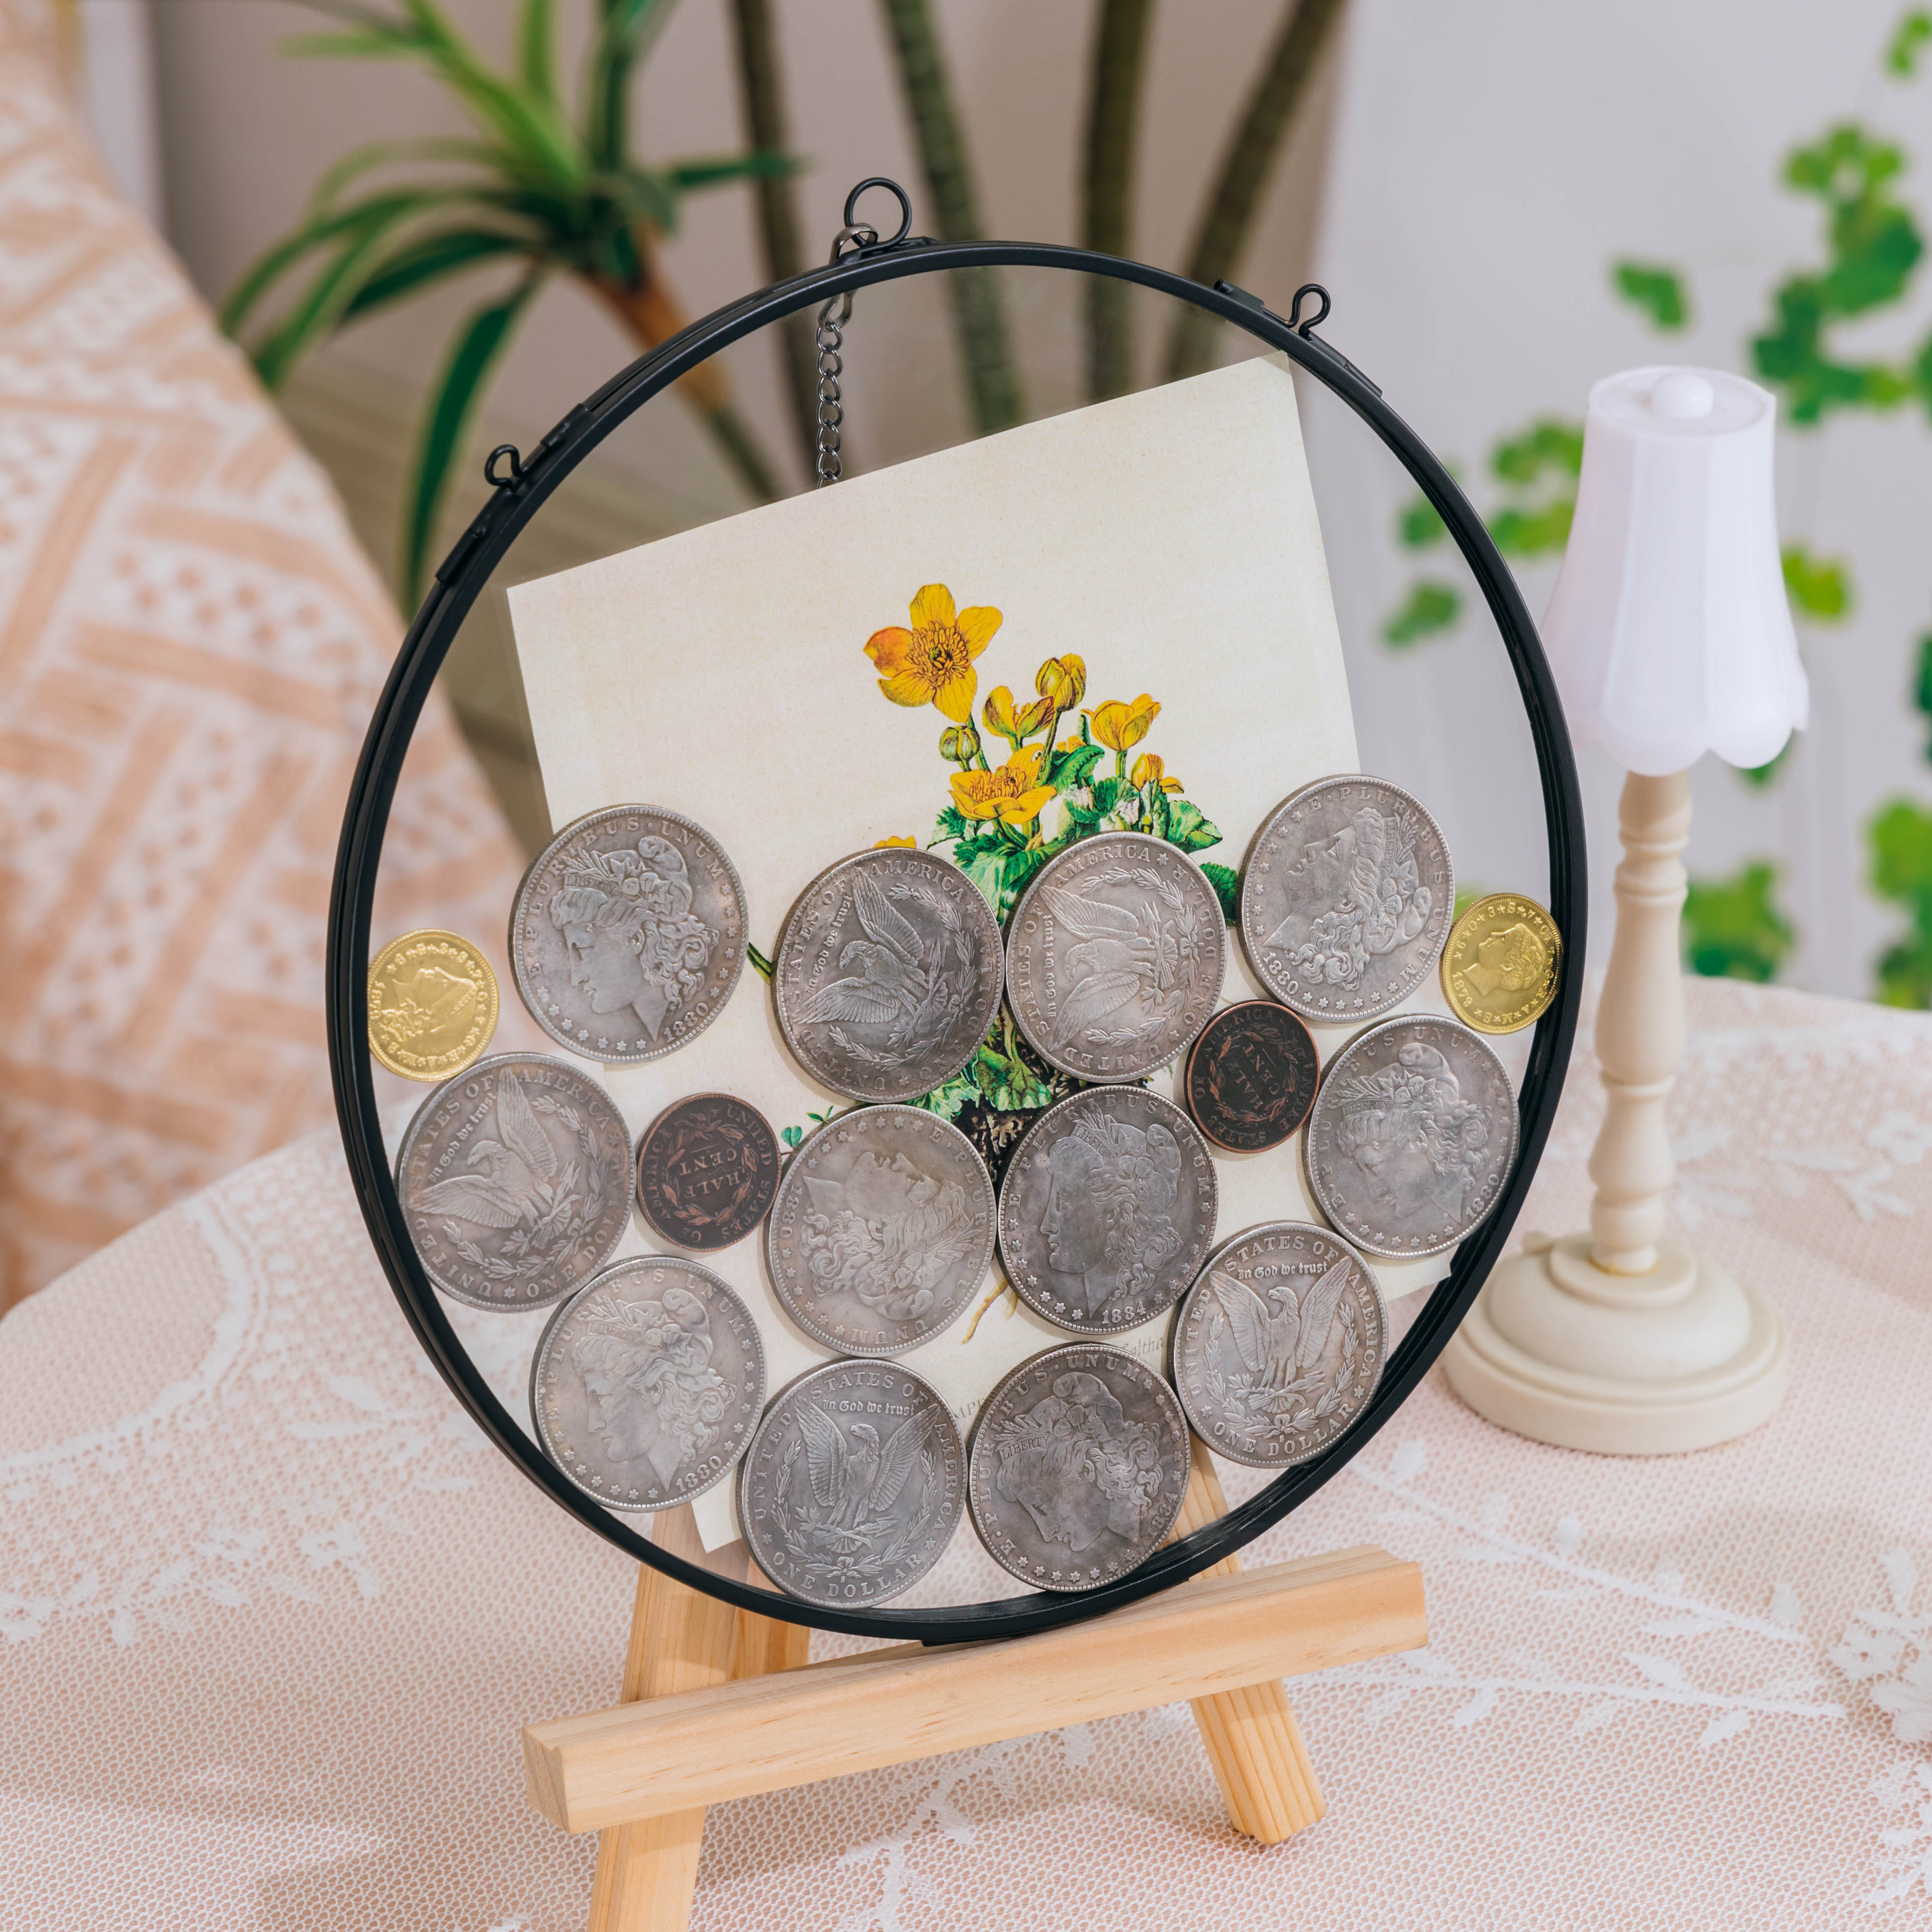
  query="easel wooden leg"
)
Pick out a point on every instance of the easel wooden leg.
point(1253, 1742)
point(680, 1640)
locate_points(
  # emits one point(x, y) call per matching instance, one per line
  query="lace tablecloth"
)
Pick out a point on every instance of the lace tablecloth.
point(275, 1613)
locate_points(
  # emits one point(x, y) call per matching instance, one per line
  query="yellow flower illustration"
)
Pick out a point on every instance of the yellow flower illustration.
point(1015, 727)
point(878, 843)
point(1064, 680)
point(1010, 793)
point(932, 663)
point(1121, 727)
point(1150, 768)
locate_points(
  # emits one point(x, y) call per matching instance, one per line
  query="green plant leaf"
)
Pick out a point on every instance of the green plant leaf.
point(1066, 770)
point(274, 262)
point(1548, 445)
point(1418, 524)
point(952, 823)
point(1430, 608)
point(1537, 532)
point(715, 170)
point(319, 308)
point(1227, 884)
point(625, 29)
point(371, 155)
point(475, 351)
point(1908, 41)
point(536, 49)
point(1656, 290)
point(1899, 841)
point(1759, 776)
point(1466, 895)
point(372, 43)
point(1820, 587)
point(1921, 685)
point(429, 259)
point(1732, 927)
point(760, 964)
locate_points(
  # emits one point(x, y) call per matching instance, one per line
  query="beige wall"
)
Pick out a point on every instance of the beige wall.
point(247, 130)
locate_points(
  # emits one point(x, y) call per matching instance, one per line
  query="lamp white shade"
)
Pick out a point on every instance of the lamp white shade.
point(1669, 633)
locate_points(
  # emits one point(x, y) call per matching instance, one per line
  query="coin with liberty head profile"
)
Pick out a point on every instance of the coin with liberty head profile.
point(882, 1230)
point(1108, 1209)
point(1346, 899)
point(1412, 1136)
point(1077, 1467)
point(647, 1384)
point(627, 934)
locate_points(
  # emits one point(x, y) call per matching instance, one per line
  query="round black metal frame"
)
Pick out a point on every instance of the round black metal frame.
point(520, 491)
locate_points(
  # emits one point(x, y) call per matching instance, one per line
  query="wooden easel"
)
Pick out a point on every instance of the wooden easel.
point(719, 1703)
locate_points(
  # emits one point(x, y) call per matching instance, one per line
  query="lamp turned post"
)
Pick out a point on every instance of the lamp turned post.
point(1670, 636)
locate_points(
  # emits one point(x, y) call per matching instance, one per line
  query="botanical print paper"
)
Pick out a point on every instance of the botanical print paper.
point(1167, 541)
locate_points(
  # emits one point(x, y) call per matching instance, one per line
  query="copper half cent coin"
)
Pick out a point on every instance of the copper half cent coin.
point(707, 1169)
point(1251, 1076)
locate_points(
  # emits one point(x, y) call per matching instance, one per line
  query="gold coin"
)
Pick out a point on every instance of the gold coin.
point(1499, 969)
point(433, 1005)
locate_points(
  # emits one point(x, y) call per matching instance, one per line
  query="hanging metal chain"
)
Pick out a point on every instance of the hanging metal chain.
point(831, 341)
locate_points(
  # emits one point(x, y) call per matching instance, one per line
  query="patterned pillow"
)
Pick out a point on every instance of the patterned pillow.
point(191, 642)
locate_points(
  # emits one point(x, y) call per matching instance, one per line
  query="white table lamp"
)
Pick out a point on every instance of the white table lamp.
point(1670, 636)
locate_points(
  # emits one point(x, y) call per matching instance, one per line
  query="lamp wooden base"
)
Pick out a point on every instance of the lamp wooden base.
point(1684, 1358)
point(719, 1704)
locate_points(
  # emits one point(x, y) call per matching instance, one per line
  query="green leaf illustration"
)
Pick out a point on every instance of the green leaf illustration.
point(1921, 685)
point(1227, 884)
point(1431, 607)
point(1065, 769)
point(1732, 927)
point(1656, 290)
point(1188, 827)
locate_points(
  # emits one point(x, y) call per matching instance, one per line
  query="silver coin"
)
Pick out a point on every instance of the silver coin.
point(647, 1383)
point(1107, 1210)
point(888, 975)
point(854, 1485)
point(1347, 899)
point(1279, 1345)
point(1115, 956)
point(514, 1180)
point(1412, 1135)
point(1078, 1467)
point(882, 1230)
point(627, 934)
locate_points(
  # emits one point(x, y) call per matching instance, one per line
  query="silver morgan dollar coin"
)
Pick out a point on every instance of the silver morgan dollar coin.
point(1347, 900)
point(1412, 1135)
point(1107, 1210)
point(888, 975)
point(854, 1485)
point(882, 1230)
point(646, 1384)
point(1115, 956)
point(627, 934)
point(1279, 1345)
point(1078, 1467)
point(515, 1181)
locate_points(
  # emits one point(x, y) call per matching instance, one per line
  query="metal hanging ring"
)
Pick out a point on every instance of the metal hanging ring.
point(1321, 315)
point(891, 187)
point(516, 475)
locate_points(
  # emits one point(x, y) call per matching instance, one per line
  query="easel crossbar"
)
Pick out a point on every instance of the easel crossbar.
point(678, 1753)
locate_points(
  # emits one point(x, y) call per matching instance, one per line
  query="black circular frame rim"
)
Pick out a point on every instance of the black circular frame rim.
point(461, 577)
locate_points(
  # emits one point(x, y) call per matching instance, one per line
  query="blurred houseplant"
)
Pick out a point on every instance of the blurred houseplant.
point(547, 189)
